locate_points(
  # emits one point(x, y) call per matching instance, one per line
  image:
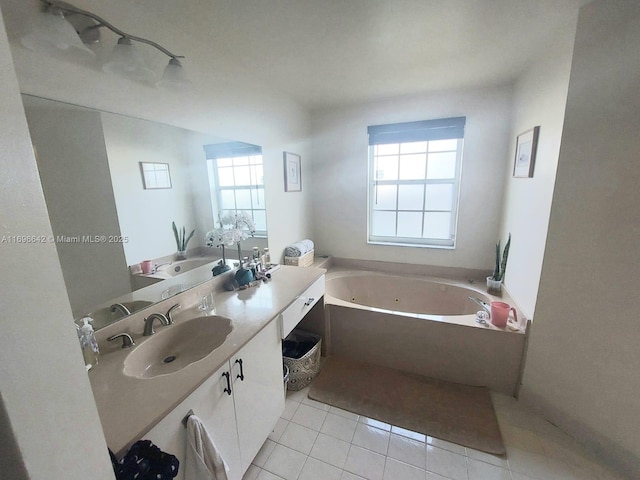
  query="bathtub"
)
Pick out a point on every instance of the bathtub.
point(421, 325)
point(178, 267)
point(403, 295)
point(169, 270)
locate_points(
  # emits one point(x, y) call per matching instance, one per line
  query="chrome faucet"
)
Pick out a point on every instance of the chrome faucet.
point(127, 341)
point(484, 305)
point(118, 307)
point(156, 266)
point(170, 311)
point(148, 323)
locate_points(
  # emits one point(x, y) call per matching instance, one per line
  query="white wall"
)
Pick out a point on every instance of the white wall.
point(46, 395)
point(340, 175)
point(146, 215)
point(583, 362)
point(540, 97)
point(72, 161)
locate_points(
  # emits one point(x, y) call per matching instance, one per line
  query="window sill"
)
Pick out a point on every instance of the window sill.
point(414, 245)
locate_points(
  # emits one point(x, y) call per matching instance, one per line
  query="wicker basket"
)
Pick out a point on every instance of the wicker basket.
point(302, 261)
point(304, 369)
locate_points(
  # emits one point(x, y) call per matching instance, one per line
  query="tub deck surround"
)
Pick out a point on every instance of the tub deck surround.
point(446, 344)
point(460, 274)
point(129, 407)
point(179, 267)
point(190, 269)
point(429, 298)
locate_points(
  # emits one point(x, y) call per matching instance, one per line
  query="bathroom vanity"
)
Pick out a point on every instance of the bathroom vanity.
point(236, 390)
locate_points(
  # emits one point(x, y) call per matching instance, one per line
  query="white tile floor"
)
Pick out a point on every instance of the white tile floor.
point(313, 441)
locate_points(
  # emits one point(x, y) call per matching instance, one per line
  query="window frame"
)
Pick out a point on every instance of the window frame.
point(373, 183)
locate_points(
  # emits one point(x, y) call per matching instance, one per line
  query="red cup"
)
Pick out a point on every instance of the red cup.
point(500, 313)
point(146, 266)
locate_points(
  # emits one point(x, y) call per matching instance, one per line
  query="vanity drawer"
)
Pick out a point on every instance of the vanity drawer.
point(300, 306)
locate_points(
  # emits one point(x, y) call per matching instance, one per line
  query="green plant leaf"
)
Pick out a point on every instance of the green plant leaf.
point(189, 238)
point(175, 233)
point(496, 270)
point(505, 257)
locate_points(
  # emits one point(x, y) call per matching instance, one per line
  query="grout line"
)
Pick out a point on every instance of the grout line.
point(505, 413)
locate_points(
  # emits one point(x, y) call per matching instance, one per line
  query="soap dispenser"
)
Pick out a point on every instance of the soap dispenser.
point(88, 343)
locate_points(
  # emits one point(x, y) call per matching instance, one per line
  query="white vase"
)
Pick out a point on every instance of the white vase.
point(494, 287)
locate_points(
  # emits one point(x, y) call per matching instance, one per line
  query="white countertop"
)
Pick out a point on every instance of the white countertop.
point(129, 407)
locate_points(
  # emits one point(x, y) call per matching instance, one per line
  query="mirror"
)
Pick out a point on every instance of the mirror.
point(106, 223)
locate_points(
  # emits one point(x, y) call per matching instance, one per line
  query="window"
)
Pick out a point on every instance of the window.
point(237, 181)
point(414, 179)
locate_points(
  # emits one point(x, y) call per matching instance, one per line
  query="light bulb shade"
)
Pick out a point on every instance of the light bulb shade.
point(52, 31)
point(126, 61)
point(174, 76)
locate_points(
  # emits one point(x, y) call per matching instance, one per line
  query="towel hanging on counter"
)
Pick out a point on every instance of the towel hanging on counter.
point(202, 460)
point(299, 248)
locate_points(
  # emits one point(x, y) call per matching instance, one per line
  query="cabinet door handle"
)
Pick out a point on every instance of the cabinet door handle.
point(241, 374)
point(228, 389)
point(309, 301)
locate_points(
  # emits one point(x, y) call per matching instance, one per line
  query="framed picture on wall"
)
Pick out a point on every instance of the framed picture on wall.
point(292, 173)
point(526, 145)
point(155, 175)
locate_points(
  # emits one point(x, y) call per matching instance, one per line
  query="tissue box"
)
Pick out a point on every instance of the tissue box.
point(303, 261)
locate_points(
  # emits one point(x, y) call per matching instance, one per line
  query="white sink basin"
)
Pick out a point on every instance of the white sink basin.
point(176, 346)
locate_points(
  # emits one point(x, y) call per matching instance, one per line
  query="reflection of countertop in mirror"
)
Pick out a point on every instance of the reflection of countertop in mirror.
point(167, 287)
point(129, 407)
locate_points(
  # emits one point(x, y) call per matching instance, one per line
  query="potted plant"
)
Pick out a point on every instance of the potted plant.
point(494, 282)
point(181, 241)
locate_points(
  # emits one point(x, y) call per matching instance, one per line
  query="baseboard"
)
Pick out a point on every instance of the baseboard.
point(612, 454)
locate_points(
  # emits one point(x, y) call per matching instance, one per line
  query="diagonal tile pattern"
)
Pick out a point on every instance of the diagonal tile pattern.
point(314, 441)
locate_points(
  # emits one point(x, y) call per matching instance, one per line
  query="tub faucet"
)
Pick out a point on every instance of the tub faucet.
point(156, 266)
point(118, 307)
point(148, 323)
point(484, 305)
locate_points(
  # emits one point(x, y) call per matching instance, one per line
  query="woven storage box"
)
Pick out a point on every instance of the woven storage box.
point(304, 369)
point(302, 261)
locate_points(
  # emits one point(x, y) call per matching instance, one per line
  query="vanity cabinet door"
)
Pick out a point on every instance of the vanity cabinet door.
point(215, 408)
point(217, 411)
point(258, 390)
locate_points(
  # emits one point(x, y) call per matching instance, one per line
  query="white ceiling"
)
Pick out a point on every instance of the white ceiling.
point(334, 52)
point(330, 52)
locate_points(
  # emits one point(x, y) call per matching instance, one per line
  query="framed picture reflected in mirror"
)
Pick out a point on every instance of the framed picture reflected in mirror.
point(155, 175)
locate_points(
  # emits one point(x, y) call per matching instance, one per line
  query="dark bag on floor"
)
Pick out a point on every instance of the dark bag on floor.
point(145, 461)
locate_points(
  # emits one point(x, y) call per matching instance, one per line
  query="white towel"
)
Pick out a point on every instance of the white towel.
point(299, 248)
point(203, 461)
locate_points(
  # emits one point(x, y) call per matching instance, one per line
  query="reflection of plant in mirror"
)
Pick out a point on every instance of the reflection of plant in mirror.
point(181, 239)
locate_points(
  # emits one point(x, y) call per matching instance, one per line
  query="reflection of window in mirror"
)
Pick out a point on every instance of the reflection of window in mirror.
point(237, 181)
point(155, 175)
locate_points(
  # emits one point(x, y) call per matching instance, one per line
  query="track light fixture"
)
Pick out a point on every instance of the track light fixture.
point(66, 27)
